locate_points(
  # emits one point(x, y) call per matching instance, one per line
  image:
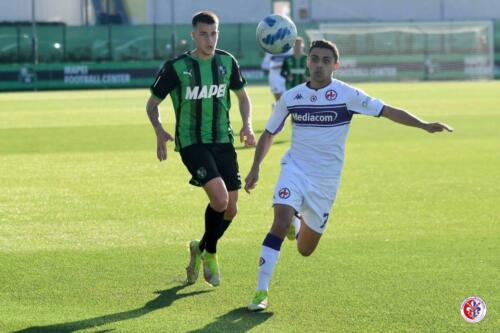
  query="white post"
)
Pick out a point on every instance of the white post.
point(34, 39)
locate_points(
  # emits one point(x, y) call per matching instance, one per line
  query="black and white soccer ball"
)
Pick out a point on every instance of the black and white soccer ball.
point(276, 34)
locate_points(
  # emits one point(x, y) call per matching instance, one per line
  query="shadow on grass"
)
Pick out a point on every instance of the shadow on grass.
point(164, 299)
point(239, 320)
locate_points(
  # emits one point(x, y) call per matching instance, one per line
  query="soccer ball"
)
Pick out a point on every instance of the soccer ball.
point(276, 34)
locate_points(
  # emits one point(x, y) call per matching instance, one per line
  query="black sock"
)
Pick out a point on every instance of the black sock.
point(213, 221)
point(223, 227)
point(202, 243)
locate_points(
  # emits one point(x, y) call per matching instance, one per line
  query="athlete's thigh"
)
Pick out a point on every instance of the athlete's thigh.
point(308, 240)
point(216, 191)
point(287, 199)
point(288, 189)
point(200, 162)
point(315, 213)
point(226, 161)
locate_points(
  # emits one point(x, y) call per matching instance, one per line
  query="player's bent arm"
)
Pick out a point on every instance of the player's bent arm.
point(408, 119)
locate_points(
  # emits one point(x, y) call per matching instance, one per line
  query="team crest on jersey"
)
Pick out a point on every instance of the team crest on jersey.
point(284, 193)
point(313, 98)
point(201, 173)
point(222, 70)
point(331, 95)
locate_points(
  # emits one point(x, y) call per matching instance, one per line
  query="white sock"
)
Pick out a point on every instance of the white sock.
point(296, 223)
point(268, 260)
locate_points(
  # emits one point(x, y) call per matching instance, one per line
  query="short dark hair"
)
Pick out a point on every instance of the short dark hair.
point(204, 17)
point(326, 44)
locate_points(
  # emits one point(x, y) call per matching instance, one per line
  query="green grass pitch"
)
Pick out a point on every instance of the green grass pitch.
point(94, 230)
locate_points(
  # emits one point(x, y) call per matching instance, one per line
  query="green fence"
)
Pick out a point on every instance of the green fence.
point(60, 43)
point(125, 56)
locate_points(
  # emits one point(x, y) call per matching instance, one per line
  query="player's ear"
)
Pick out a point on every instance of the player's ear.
point(337, 66)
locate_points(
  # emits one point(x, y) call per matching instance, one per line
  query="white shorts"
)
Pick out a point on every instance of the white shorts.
point(294, 189)
point(277, 83)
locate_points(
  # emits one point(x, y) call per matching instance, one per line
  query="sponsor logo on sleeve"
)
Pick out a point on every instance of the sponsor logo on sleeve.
point(366, 101)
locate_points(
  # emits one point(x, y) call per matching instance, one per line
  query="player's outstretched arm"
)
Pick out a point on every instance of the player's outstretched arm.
point(247, 135)
point(265, 142)
point(161, 135)
point(406, 118)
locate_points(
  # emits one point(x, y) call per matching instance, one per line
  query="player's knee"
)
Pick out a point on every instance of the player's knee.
point(219, 203)
point(305, 251)
point(279, 229)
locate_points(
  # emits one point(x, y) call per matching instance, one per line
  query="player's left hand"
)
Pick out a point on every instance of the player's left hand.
point(437, 127)
point(247, 136)
point(251, 179)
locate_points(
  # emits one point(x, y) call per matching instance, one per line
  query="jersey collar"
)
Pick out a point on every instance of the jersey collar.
point(308, 84)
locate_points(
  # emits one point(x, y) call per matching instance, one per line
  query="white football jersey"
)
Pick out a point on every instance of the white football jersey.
point(273, 62)
point(320, 123)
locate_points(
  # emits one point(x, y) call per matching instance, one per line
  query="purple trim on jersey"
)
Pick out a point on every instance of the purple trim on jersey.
point(381, 110)
point(320, 115)
point(309, 125)
point(313, 106)
point(280, 127)
point(378, 115)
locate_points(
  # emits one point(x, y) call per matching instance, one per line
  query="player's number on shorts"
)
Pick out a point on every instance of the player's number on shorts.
point(325, 220)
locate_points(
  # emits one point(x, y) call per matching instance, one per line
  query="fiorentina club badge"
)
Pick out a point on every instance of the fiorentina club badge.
point(473, 309)
point(331, 95)
point(284, 193)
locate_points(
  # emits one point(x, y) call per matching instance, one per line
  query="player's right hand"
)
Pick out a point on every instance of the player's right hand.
point(162, 137)
point(251, 180)
point(437, 127)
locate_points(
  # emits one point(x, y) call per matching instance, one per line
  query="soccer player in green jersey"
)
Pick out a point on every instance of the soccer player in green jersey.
point(198, 82)
point(294, 68)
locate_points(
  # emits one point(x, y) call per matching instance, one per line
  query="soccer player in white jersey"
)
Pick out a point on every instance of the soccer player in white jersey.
point(272, 64)
point(321, 112)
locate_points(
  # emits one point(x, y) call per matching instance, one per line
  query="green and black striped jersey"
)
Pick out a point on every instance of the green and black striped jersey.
point(199, 90)
point(294, 70)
